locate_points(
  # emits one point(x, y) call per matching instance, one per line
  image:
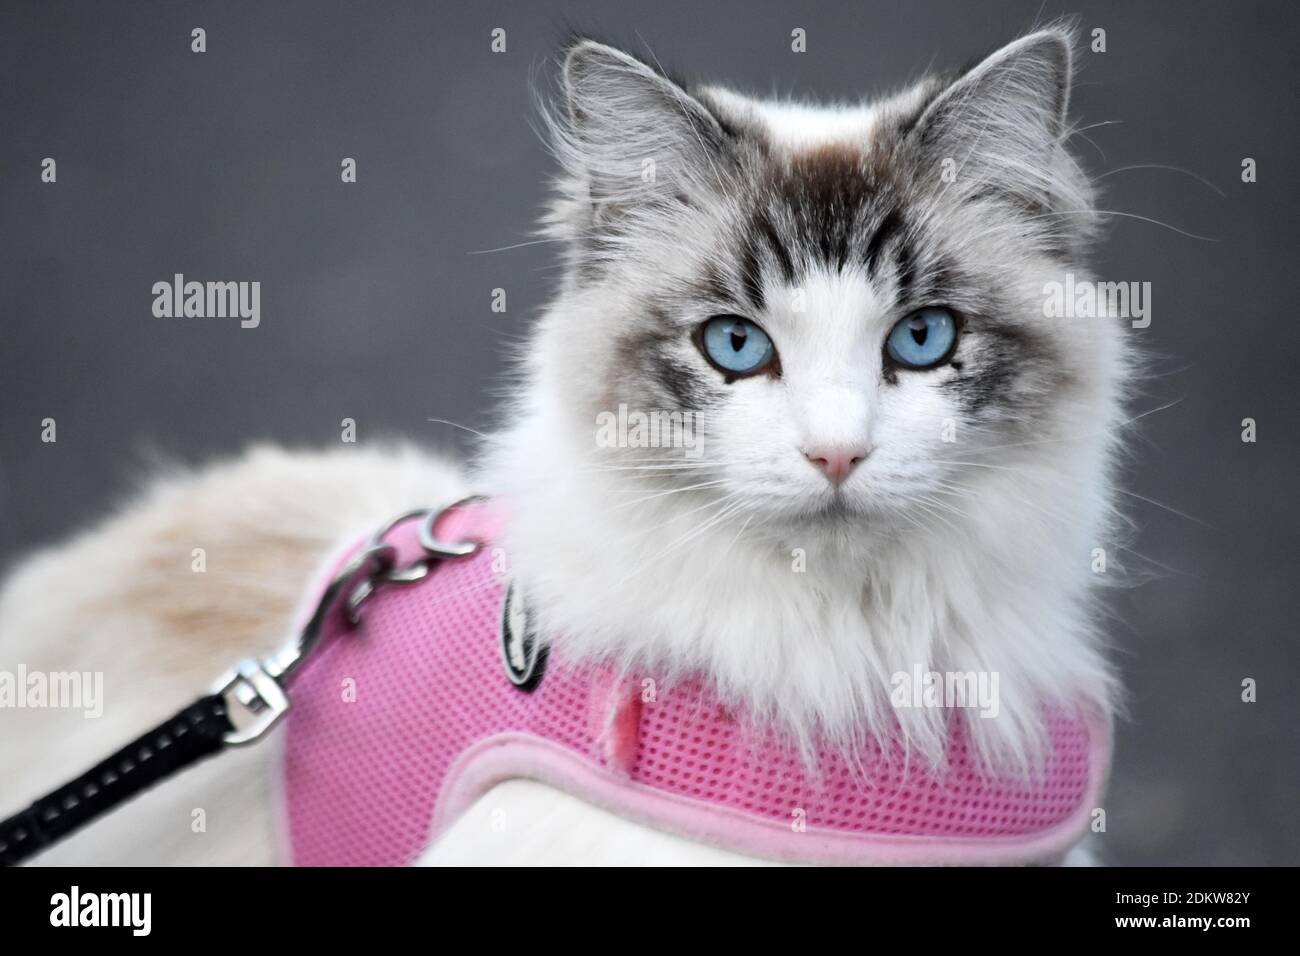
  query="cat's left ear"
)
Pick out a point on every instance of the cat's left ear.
point(1000, 126)
point(632, 133)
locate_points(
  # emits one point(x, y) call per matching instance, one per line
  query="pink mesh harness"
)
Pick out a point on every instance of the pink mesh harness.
point(401, 724)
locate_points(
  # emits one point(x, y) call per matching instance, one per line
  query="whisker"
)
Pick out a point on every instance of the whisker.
point(443, 421)
point(1048, 441)
point(516, 245)
point(673, 491)
point(1125, 215)
point(1174, 511)
point(1175, 169)
point(725, 511)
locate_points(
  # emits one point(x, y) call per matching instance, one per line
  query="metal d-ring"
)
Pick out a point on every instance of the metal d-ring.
point(438, 550)
point(393, 574)
point(418, 569)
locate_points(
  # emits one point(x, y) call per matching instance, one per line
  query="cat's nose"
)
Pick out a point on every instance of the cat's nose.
point(837, 463)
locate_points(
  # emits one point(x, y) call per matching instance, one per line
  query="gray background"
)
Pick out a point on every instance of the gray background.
point(225, 165)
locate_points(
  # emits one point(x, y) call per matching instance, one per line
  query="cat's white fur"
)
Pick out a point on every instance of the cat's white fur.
point(969, 555)
point(1004, 581)
point(1001, 575)
point(796, 125)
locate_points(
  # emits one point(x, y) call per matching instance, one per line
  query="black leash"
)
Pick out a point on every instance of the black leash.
point(195, 733)
point(256, 691)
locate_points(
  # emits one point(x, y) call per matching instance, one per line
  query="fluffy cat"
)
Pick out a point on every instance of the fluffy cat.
point(859, 506)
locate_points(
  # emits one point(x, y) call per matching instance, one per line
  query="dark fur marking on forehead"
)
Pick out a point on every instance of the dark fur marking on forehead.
point(761, 232)
point(890, 225)
point(825, 191)
point(906, 271)
point(763, 226)
point(813, 205)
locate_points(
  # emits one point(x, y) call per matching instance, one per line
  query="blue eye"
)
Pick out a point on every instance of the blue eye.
point(736, 345)
point(923, 339)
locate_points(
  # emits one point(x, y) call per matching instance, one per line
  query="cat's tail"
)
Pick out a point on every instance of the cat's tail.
point(205, 567)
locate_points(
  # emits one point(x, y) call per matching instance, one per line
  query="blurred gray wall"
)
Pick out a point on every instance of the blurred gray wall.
point(225, 165)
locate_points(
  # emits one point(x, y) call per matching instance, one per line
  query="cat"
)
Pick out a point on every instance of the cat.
point(898, 461)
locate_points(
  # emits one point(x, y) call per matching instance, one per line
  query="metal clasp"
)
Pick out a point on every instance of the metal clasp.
point(257, 687)
point(250, 689)
point(360, 571)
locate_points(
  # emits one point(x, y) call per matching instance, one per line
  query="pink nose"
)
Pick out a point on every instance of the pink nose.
point(836, 463)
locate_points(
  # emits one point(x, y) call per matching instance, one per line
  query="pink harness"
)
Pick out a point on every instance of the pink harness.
point(400, 725)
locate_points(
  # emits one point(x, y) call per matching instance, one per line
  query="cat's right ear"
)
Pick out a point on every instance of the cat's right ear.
point(632, 133)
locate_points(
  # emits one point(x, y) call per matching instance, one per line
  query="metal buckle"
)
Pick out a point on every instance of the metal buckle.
point(250, 689)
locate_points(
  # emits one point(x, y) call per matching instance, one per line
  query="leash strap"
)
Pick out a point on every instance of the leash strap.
point(194, 733)
point(254, 692)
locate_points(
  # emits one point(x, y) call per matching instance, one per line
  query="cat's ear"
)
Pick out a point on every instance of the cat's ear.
point(999, 127)
point(632, 133)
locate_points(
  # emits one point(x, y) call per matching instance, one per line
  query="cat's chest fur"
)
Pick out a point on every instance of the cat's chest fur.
point(811, 630)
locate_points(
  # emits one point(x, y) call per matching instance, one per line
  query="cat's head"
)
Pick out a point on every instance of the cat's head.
point(842, 305)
